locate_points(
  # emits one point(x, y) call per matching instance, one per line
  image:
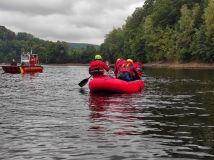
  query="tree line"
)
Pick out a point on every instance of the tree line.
point(12, 45)
point(159, 31)
point(165, 31)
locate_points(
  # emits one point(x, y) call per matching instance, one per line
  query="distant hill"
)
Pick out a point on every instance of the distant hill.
point(12, 44)
point(81, 45)
point(6, 34)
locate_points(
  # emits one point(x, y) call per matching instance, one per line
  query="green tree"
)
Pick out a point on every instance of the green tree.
point(113, 46)
point(24, 36)
point(209, 18)
point(87, 54)
point(6, 34)
point(57, 52)
point(186, 31)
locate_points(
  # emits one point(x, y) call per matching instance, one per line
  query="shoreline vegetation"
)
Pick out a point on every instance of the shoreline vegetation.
point(165, 31)
point(157, 65)
point(191, 65)
point(165, 65)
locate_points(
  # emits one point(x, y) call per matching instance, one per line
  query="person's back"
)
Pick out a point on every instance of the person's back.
point(118, 65)
point(97, 66)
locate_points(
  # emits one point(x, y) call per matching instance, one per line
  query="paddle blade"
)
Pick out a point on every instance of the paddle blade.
point(83, 82)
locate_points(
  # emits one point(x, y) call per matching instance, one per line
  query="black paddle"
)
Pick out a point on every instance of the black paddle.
point(84, 82)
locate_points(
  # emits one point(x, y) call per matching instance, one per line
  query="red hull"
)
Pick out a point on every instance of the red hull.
point(11, 69)
point(113, 85)
point(22, 69)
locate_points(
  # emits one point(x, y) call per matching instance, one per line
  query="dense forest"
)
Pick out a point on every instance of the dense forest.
point(12, 45)
point(165, 31)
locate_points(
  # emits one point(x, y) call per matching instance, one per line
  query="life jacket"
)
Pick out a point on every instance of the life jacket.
point(125, 72)
point(97, 67)
point(118, 65)
point(138, 68)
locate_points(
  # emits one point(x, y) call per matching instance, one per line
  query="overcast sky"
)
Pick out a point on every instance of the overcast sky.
point(81, 21)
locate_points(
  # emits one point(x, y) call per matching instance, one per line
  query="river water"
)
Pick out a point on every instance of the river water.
point(48, 117)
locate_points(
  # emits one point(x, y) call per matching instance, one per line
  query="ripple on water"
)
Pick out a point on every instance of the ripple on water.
point(44, 116)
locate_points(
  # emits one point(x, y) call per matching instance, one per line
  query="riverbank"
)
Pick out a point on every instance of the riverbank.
point(163, 65)
point(67, 64)
point(154, 65)
point(180, 65)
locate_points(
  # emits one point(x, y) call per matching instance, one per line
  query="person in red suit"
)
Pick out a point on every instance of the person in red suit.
point(138, 67)
point(118, 64)
point(97, 66)
point(129, 71)
point(32, 60)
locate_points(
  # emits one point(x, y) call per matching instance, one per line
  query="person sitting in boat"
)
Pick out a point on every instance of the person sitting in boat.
point(138, 69)
point(118, 64)
point(127, 71)
point(13, 63)
point(97, 66)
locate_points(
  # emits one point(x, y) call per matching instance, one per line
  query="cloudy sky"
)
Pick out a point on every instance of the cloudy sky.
point(81, 21)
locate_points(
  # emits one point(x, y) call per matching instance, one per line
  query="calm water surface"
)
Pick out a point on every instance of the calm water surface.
point(47, 116)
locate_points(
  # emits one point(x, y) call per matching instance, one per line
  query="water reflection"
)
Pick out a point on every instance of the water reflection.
point(183, 110)
point(119, 111)
point(171, 115)
point(82, 91)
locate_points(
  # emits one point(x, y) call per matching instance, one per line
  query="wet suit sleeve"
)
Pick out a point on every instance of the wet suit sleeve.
point(135, 72)
point(106, 67)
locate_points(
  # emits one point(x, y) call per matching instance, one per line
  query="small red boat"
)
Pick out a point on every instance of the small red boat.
point(22, 69)
point(113, 85)
point(28, 65)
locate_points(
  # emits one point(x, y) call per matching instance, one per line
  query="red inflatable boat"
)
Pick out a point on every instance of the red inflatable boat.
point(113, 85)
